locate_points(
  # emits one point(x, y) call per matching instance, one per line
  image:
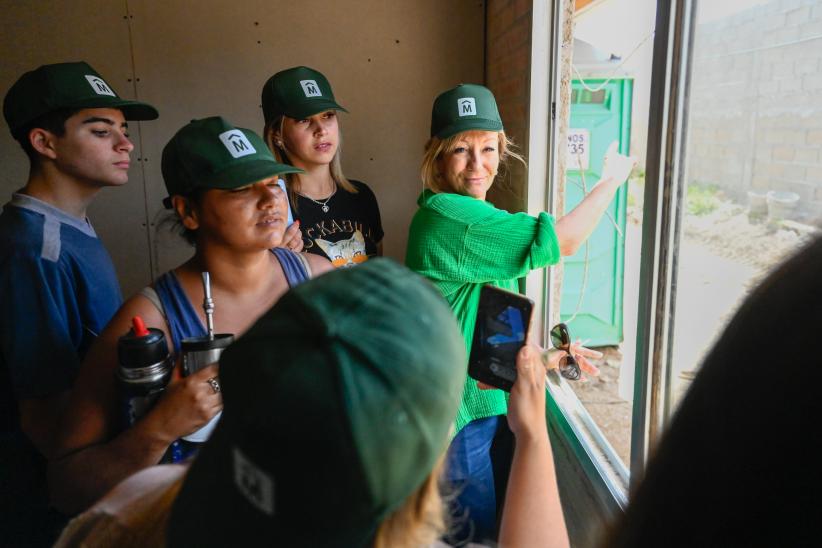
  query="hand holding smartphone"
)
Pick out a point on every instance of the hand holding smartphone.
point(503, 319)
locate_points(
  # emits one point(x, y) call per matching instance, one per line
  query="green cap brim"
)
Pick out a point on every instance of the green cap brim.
point(246, 173)
point(310, 108)
point(243, 174)
point(132, 110)
point(473, 124)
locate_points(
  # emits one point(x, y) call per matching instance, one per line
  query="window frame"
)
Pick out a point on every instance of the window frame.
point(609, 478)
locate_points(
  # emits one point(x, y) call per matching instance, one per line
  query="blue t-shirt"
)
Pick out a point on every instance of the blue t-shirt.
point(58, 290)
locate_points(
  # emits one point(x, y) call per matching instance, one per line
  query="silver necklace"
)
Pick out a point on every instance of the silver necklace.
point(322, 203)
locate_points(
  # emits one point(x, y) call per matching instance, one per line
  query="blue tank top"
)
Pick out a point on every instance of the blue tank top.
point(184, 322)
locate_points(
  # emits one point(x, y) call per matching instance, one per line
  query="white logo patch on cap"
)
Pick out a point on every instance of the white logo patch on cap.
point(254, 484)
point(237, 143)
point(99, 86)
point(310, 88)
point(467, 106)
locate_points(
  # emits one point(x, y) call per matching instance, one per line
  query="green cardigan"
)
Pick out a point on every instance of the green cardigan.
point(461, 243)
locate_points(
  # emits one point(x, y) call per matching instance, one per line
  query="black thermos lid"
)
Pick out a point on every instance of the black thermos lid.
point(141, 346)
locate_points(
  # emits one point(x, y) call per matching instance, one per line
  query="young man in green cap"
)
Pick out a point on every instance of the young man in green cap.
point(58, 284)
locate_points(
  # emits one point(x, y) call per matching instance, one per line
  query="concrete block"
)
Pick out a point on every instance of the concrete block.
point(763, 152)
point(783, 153)
point(811, 28)
point(812, 82)
point(774, 21)
point(766, 67)
point(743, 62)
point(807, 155)
point(782, 35)
point(807, 66)
point(781, 136)
point(798, 16)
point(793, 172)
point(786, 119)
point(813, 120)
point(814, 137)
point(760, 182)
point(790, 85)
point(783, 69)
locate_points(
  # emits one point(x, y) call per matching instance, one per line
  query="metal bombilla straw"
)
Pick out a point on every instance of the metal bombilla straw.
point(208, 305)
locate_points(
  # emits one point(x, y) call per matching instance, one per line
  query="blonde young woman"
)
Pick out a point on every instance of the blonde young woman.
point(339, 217)
point(222, 184)
point(461, 242)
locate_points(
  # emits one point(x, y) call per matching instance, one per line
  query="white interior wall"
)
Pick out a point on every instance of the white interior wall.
point(190, 59)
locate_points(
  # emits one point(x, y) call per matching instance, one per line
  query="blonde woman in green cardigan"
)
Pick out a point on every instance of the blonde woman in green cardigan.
point(461, 242)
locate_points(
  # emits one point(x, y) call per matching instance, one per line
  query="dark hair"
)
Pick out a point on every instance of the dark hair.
point(53, 122)
point(172, 221)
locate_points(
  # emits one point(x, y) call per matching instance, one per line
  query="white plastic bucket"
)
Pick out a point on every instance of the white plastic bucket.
point(782, 204)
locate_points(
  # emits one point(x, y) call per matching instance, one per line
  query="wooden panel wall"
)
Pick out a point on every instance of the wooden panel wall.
point(386, 61)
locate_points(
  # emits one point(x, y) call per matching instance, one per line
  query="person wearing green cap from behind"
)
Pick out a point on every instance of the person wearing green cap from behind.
point(57, 280)
point(462, 242)
point(222, 186)
point(334, 431)
point(339, 217)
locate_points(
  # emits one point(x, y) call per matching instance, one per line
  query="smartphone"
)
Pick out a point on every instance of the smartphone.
point(281, 184)
point(502, 324)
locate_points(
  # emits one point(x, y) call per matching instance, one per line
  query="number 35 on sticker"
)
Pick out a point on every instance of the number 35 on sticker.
point(579, 144)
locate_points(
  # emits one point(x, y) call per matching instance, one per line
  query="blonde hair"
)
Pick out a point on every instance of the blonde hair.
point(435, 148)
point(292, 180)
point(420, 521)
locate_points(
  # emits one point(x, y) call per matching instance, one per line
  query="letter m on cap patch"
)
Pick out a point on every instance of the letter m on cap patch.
point(467, 106)
point(255, 485)
point(237, 143)
point(310, 88)
point(99, 86)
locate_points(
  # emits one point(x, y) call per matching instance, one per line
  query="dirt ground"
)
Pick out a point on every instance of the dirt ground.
point(726, 232)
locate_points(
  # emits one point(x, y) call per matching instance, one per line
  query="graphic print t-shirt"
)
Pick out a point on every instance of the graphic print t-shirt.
point(348, 233)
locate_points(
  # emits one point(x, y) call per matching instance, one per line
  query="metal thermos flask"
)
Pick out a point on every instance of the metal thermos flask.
point(199, 352)
point(145, 367)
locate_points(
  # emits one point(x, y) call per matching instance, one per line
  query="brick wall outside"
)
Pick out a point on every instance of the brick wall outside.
point(756, 102)
point(507, 67)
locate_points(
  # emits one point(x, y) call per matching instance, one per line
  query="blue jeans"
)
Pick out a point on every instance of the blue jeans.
point(471, 478)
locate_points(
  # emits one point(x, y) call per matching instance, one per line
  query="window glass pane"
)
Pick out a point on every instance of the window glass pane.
point(610, 86)
point(753, 179)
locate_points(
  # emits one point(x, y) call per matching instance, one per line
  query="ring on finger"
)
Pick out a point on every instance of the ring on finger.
point(215, 384)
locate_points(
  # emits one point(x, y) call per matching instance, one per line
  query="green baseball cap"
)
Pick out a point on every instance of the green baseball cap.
point(213, 153)
point(298, 93)
point(466, 107)
point(338, 403)
point(64, 85)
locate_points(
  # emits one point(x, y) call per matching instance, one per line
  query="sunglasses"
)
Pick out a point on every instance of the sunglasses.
point(561, 339)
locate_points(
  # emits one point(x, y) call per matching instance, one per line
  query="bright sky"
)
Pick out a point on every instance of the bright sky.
point(617, 26)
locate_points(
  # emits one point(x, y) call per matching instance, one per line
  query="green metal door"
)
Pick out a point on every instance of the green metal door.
point(591, 302)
